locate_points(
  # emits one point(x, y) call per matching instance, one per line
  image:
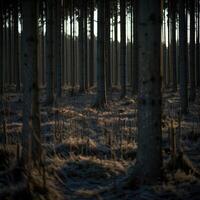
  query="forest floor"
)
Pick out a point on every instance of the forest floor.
point(88, 153)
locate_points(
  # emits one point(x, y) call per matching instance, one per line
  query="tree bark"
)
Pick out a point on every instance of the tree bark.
point(123, 48)
point(192, 51)
point(29, 64)
point(149, 157)
point(101, 86)
point(49, 52)
point(183, 58)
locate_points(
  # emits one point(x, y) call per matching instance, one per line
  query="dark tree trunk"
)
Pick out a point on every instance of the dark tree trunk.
point(107, 45)
point(49, 52)
point(135, 50)
point(173, 44)
point(81, 49)
point(29, 66)
point(91, 61)
point(149, 158)
point(192, 51)
point(101, 86)
point(183, 58)
point(1, 51)
point(123, 48)
point(58, 50)
point(16, 46)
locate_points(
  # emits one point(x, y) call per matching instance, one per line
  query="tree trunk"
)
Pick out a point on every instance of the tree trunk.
point(183, 57)
point(149, 158)
point(173, 44)
point(197, 48)
point(58, 50)
point(116, 45)
point(91, 61)
point(81, 50)
point(123, 48)
point(16, 46)
point(49, 52)
point(192, 51)
point(1, 51)
point(107, 45)
point(135, 50)
point(29, 64)
point(85, 46)
point(101, 86)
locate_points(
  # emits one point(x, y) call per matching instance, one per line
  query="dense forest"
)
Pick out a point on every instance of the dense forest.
point(99, 99)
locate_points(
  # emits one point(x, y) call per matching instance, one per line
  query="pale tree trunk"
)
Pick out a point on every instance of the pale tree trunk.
point(123, 48)
point(192, 51)
point(101, 86)
point(49, 52)
point(29, 64)
point(149, 157)
point(183, 58)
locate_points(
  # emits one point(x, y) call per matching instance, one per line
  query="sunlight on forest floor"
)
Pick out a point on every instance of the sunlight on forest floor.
point(87, 151)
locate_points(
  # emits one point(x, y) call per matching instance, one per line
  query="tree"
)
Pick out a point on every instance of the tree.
point(29, 14)
point(183, 57)
point(81, 49)
point(123, 48)
point(172, 13)
point(49, 52)
point(101, 86)
point(91, 61)
point(107, 46)
point(192, 51)
point(16, 45)
point(58, 50)
point(135, 51)
point(149, 157)
point(1, 50)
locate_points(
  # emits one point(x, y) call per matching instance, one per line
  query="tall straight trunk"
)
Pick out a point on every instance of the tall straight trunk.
point(91, 49)
point(149, 157)
point(16, 46)
point(116, 45)
point(42, 43)
point(29, 66)
point(192, 51)
point(164, 71)
point(36, 124)
point(9, 48)
point(197, 48)
point(183, 58)
point(49, 52)
point(85, 46)
point(72, 48)
point(1, 51)
point(135, 50)
point(173, 44)
point(107, 45)
point(123, 48)
point(81, 49)
point(101, 86)
point(58, 50)
point(169, 66)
